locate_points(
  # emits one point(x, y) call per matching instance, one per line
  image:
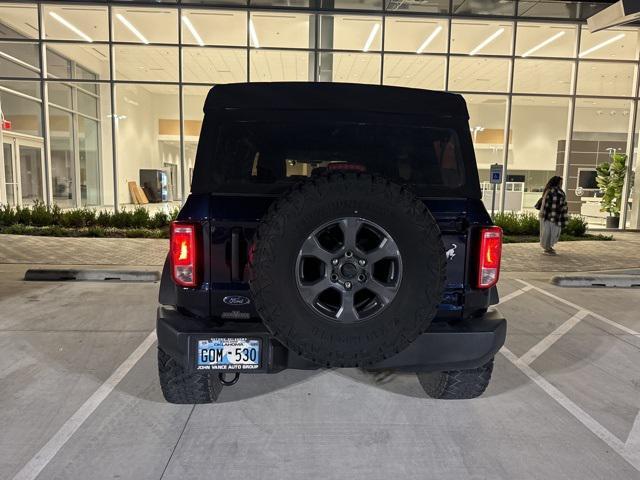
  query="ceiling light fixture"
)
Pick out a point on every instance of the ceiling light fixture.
point(254, 34)
point(601, 45)
point(133, 29)
point(549, 40)
point(193, 30)
point(429, 39)
point(487, 41)
point(71, 27)
point(372, 36)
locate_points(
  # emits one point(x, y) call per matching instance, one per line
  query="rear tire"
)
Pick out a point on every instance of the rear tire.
point(457, 384)
point(182, 387)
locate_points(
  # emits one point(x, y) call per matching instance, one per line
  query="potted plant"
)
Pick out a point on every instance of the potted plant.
point(610, 180)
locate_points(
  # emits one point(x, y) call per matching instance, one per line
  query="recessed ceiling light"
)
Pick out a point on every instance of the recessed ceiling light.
point(71, 27)
point(193, 30)
point(487, 41)
point(549, 40)
point(371, 38)
point(131, 28)
point(429, 39)
point(601, 45)
point(254, 34)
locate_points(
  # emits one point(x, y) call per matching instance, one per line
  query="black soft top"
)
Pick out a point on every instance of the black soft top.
point(335, 96)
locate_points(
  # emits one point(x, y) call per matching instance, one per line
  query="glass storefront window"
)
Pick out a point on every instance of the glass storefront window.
point(435, 7)
point(415, 35)
point(349, 67)
point(62, 157)
point(599, 125)
point(485, 7)
point(350, 32)
point(214, 65)
point(478, 37)
point(542, 76)
point(546, 40)
point(286, 30)
point(28, 87)
point(89, 160)
point(59, 94)
point(606, 78)
point(76, 22)
point(146, 63)
point(148, 138)
point(538, 134)
point(24, 113)
point(612, 44)
point(558, 9)
point(415, 71)
point(468, 74)
point(214, 27)
point(19, 20)
point(145, 25)
point(487, 115)
point(19, 59)
point(77, 61)
point(281, 65)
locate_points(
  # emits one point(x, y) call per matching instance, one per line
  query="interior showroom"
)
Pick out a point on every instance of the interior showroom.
point(97, 98)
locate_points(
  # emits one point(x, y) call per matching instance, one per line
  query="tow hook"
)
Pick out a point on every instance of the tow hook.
point(228, 383)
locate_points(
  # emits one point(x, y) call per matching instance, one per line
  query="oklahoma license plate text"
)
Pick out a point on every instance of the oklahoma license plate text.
point(228, 354)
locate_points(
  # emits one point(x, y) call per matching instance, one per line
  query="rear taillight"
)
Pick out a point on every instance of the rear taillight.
point(184, 254)
point(489, 259)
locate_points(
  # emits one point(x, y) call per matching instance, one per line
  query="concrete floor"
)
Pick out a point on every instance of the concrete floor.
point(563, 403)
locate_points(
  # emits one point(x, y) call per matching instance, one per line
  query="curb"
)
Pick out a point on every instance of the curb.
point(607, 281)
point(57, 275)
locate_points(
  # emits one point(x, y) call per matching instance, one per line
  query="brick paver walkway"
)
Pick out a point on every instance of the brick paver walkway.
point(523, 257)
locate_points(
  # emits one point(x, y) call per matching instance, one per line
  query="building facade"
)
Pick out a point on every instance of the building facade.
point(94, 95)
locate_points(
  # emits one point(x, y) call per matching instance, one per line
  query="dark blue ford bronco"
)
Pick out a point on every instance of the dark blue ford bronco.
point(331, 225)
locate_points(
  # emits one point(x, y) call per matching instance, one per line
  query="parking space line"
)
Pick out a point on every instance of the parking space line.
point(40, 460)
point(578, 307)
point(583, 417)
point(544, 344)
point(515, 294)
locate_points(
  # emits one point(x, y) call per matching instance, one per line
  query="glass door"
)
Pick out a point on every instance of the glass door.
point(31, 156)
point(10, 184)
point(23, 168)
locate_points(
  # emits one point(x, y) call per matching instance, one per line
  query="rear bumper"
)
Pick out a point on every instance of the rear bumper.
point(444, 346)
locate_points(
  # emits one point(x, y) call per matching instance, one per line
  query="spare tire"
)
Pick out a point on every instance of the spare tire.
point(347, 269)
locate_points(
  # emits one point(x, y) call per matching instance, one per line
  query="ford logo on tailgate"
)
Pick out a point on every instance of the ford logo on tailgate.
point(236, 300)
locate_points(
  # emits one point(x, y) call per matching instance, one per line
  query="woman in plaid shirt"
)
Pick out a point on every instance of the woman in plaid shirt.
point(553, 214)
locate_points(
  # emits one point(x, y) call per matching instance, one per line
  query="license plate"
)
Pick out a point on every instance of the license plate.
point(228, 354)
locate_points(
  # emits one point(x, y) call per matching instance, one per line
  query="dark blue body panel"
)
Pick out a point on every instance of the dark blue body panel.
point(219, 215)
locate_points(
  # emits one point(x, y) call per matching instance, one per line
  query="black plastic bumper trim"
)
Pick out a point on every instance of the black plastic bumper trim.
point(445, 346)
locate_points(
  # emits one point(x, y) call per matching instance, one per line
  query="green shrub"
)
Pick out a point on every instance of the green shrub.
point(518, 224)
point(140, 218)
point(72, 218)
point(576, 226)
point(104, 219)
point(159, 220)
point(41, 215)
point(7, 215)
point(23, 215)
point(121, 219)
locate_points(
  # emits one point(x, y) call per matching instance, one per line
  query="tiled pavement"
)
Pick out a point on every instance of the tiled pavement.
point(624, 252)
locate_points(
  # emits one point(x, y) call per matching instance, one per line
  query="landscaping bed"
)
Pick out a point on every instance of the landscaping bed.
point(139, 223)
point(525, 228)
point(84, 222)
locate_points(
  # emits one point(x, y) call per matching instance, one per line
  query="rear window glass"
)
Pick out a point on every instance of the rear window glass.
point(269, 157)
